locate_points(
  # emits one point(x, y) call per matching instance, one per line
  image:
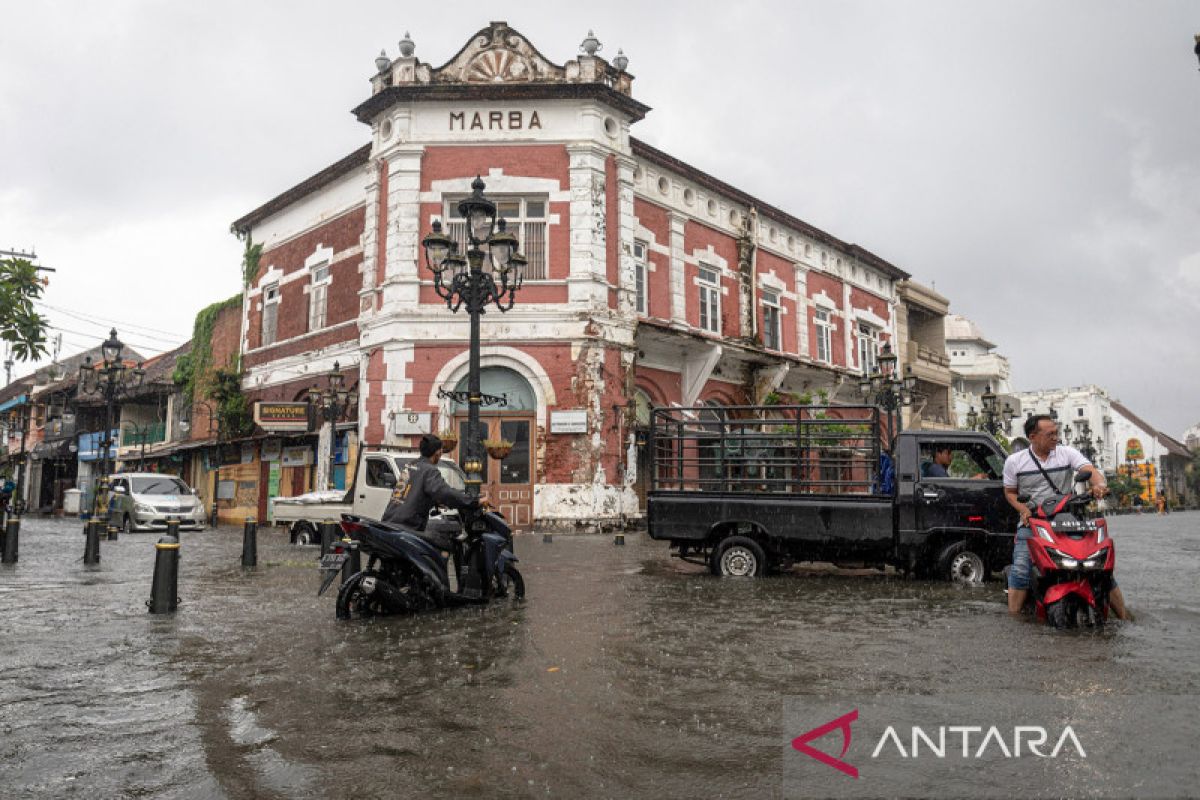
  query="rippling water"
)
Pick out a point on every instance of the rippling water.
point(624, 673)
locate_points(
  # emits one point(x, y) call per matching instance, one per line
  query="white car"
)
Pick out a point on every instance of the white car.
point(144, 501)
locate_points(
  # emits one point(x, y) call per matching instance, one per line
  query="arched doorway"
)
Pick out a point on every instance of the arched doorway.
point(508, 482)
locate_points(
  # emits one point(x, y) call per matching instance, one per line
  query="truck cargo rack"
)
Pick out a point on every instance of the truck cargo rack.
point(804, 449)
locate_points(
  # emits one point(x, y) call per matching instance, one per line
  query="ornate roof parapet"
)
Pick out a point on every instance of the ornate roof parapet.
point(499, 54)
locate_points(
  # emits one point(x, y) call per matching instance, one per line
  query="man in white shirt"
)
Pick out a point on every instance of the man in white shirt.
point(1044, 470)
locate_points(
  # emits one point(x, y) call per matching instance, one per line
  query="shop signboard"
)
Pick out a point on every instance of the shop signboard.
point(412, 423)
point(271, 450)
point(281, 416)
point(297, 456)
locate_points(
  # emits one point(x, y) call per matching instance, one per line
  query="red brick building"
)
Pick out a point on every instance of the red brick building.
point(649, 281)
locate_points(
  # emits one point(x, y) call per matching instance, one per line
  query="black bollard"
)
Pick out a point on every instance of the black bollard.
point(113, 533)
point(165, 588)
point(173, 527)
point(547, 538)
point(329, 530)
point(250, 544)
point(12, 529)
point(353, 563)
point(619, 539)
point(91, 544)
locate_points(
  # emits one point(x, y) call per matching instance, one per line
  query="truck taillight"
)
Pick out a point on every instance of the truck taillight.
point(352, 527)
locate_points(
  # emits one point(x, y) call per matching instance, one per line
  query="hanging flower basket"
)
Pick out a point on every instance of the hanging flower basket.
point(498, 448)
point(449, 441)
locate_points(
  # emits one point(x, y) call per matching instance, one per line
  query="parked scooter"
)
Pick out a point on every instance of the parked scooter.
point(1073, 558)
point(408, 571)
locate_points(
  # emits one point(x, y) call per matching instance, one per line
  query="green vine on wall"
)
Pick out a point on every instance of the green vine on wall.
point(250, 257)
point(199, 379)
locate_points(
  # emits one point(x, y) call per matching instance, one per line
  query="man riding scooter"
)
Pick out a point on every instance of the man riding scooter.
point(424, 489)
point(1042, 471)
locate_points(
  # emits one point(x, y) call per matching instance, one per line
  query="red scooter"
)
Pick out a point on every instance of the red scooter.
point(1073, 558)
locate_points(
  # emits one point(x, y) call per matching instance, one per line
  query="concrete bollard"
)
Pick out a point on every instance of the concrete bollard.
point(12, 530)
point(173, 527)
point(353, 563)
point(91, 543)
point(113, 533)
point(250, 543)
point(165, 588)
point(329, 531)
point(619, 539)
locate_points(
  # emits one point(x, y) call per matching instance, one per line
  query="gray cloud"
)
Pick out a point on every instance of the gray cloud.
point(1036, 161)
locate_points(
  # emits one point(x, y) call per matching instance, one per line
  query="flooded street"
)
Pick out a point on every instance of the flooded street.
point(624, 673)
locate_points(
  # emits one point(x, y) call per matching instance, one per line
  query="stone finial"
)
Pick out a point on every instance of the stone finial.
point(621, 61)
point(591, 45)
point(407, 46)
point(382, 62)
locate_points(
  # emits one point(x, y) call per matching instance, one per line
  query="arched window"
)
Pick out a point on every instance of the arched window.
point(501, 382)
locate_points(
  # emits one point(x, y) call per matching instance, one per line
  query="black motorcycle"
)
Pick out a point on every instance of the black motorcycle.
point(409, 571)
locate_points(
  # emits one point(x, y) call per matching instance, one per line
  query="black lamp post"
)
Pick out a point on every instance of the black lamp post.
point(110, 379)
point(331, 405)
point(18, 419)
point(460, 282)
point(993, 418)
point(885, 388)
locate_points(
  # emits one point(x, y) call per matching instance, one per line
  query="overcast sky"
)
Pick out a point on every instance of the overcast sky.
point(1039, 163)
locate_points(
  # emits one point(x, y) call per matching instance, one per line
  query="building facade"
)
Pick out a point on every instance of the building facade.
point(920, 326)
point(650, 282)
point(976, 367)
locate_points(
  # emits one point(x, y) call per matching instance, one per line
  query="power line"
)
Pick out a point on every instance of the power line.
point(138, 345)
point(93, 319)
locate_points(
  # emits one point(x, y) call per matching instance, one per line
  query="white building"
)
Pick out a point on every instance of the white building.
point(974, 367)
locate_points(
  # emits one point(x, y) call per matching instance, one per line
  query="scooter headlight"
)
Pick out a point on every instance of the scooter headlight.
point(1095, 560)
point(1063, 560)
point(1045, 536)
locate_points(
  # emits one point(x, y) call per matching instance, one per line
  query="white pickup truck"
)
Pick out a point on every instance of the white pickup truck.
point(378, 472)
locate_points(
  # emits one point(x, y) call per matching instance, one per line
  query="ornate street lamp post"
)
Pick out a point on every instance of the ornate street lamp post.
point(110, 379)
point(331, 405)
point(993, 419)
point(885, 388)
point(462, 282)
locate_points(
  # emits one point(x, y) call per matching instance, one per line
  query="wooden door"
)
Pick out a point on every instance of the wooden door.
point(508, 482)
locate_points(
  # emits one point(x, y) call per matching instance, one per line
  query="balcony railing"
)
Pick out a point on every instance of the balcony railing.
point(138, 435)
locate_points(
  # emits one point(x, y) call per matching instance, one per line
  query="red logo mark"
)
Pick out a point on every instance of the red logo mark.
point(842, 723)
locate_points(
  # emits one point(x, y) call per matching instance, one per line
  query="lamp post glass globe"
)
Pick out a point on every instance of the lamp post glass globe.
point(479, 212)
point(112, 348)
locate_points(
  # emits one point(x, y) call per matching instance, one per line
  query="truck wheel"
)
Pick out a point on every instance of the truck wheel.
point(739, 557)
point(960, 564)
point(303, 533)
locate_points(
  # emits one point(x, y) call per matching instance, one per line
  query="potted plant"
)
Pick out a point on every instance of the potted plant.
point(497, 448)
point(449, 440)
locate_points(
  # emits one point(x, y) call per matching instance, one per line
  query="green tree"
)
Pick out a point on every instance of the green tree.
point(1123, 489)
point(22, 327)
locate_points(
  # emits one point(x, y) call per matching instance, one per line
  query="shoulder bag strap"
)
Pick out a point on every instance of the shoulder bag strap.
point(1054, 486)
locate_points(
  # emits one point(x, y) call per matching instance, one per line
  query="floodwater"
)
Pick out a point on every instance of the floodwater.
point(623, 674)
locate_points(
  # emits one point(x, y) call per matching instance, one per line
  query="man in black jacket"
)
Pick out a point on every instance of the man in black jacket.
point(425, 489)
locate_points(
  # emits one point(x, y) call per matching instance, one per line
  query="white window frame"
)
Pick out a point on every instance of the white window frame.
point(772, 319)
point(318, 296)
point(868, 346)
point(823, 321)
point(641, 277)
point(524, 226)
point(710, 298)
point(270, 302)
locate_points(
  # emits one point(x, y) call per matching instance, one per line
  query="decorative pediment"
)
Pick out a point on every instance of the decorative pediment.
point(498, 54)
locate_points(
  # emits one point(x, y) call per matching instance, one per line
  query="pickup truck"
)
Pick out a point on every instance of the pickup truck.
point(378, 472)
point(750, 489)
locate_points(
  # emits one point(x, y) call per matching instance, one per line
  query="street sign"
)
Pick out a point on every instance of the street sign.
point(280, 416)
point(573, 421)
point(412, 423)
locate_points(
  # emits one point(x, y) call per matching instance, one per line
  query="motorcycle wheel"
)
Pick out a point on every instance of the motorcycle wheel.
point(1063, 613)
point(353, 602)
point(516, 584)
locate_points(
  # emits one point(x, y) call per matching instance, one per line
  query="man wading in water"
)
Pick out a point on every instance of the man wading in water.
point(1040, 472)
